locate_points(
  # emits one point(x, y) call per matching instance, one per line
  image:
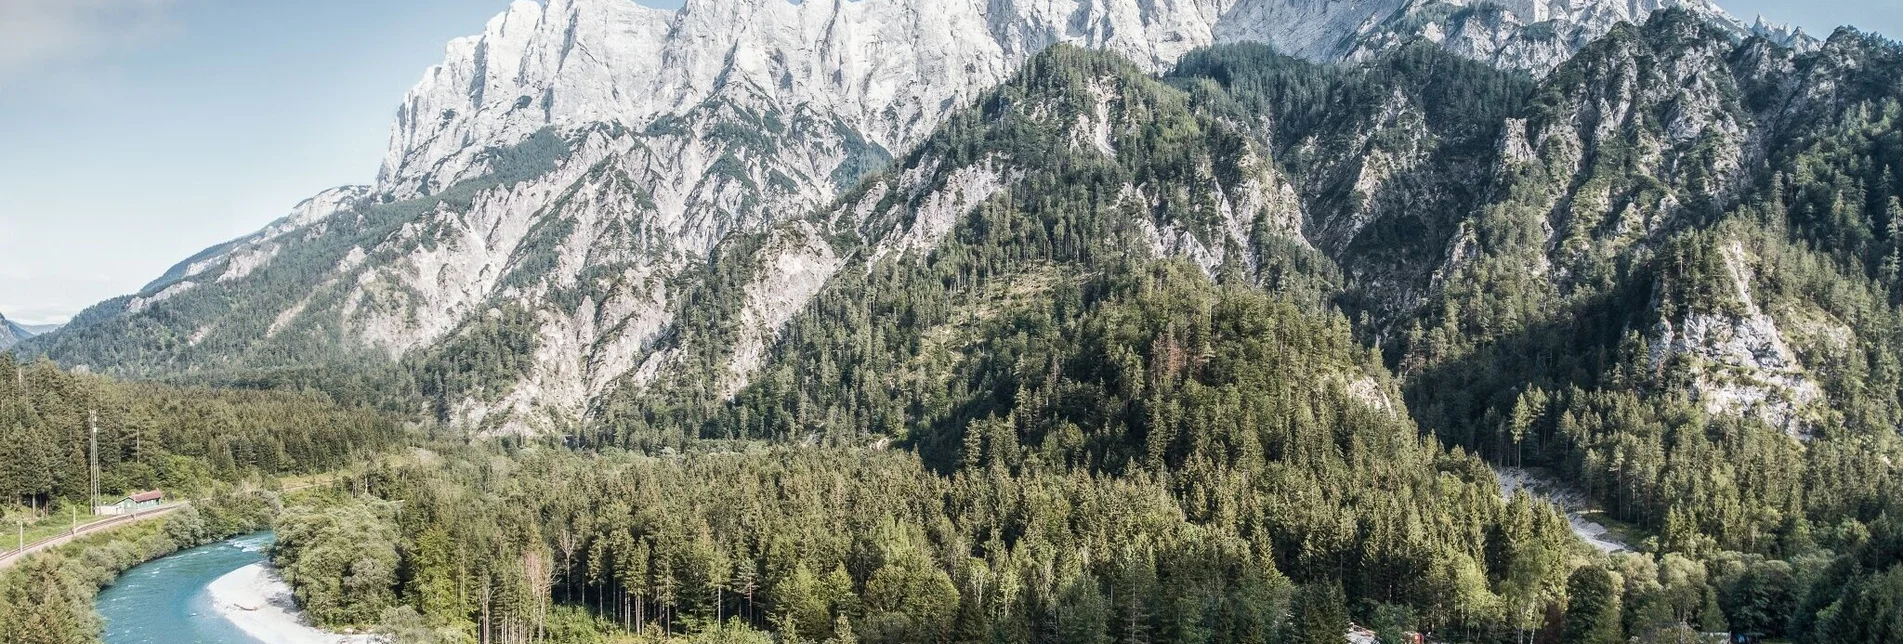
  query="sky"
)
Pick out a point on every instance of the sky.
point(138, 132)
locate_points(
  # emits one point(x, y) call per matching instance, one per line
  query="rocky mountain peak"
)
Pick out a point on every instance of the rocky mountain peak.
point(891, 69)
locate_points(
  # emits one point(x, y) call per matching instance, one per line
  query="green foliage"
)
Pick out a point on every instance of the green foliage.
point(158, 436)
point(1870, 610)
point(863, 158)
point(342, 561)
point(481, 360)
point(44, 612)
point(1319, 614)
point(1592, 611)
point(532, 157)
point(500, 542)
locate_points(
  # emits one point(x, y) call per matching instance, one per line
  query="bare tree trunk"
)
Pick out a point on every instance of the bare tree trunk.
point(485, 613)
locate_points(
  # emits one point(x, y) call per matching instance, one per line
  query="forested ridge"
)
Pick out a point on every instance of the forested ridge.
point(153, 436)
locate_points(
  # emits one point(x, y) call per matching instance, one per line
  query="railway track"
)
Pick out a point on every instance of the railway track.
point(11, 557)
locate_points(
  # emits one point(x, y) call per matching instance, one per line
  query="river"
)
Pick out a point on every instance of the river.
point(167, 601)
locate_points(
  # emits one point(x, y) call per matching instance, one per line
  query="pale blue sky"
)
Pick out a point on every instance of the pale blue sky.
point(137, 132)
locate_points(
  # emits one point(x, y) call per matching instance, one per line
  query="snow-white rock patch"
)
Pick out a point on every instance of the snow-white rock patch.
point(140, 304)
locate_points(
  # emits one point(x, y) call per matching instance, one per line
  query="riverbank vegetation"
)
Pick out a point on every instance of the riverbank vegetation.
point(48, 598)
point(189, 441)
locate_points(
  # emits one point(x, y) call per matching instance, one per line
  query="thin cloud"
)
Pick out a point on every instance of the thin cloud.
point(36, 33)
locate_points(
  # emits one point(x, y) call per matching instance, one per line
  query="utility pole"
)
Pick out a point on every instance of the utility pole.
point(92, 500)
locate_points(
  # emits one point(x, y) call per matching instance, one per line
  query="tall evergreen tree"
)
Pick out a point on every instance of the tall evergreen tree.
point(1592, 608)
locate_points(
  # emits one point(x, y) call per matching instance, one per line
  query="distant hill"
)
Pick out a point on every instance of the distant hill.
point(12, 333)
point(40, 329)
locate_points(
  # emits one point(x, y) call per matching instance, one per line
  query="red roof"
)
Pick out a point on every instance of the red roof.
point(142, 497)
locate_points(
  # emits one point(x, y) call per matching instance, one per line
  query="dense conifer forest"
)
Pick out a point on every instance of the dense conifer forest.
point(871, 545)
point(151, 436)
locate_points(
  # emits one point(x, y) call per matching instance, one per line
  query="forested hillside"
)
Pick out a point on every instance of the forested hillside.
point(1677, 297)
point(1118, 313)
point(157, 436)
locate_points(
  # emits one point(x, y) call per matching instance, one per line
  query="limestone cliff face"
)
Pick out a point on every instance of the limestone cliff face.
point(889, 70)
point(1539, 35)
point(1737, 360)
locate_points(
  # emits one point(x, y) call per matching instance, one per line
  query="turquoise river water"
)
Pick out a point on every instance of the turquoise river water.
point(164, 601)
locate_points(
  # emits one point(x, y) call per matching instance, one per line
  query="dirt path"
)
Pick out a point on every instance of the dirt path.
point(11, 557)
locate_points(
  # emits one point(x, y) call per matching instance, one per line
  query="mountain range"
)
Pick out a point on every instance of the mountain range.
point(566, 170)
point(563, 193)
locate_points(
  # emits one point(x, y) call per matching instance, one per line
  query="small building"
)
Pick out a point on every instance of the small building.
point(133, 503)
point(147, 499)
